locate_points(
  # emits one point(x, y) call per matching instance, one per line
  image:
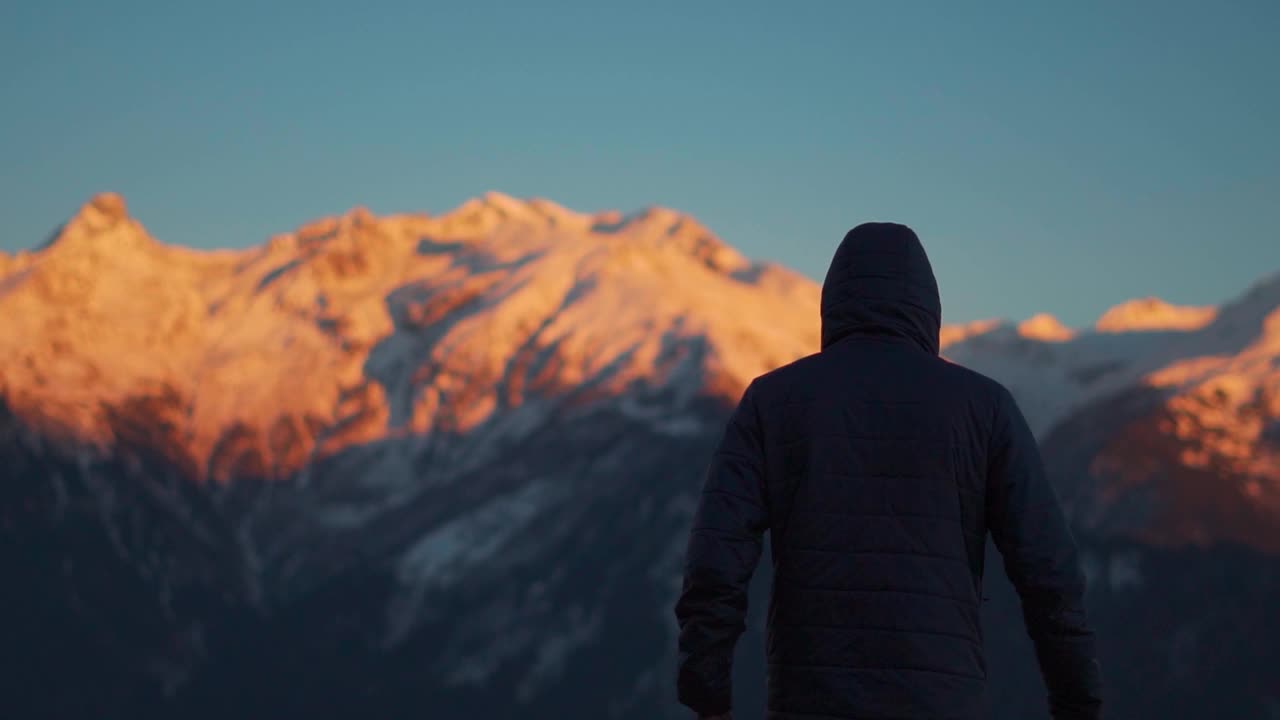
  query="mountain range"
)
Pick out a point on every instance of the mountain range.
point(443, 466)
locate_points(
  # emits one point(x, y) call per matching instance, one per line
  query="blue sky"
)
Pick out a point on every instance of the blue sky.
point(1052, 156)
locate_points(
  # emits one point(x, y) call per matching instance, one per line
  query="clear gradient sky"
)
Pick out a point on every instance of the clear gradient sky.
point(1053, 156)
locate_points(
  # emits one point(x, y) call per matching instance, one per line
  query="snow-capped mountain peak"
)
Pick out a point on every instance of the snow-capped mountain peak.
point(1043, 326)
point(410, 322)
point(495, 317)
point(1151, 313)
point(475, 439)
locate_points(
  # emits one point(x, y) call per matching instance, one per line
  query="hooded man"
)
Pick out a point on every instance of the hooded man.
point(879, 468)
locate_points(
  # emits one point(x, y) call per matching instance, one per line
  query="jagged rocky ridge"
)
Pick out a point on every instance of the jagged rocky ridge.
point(442, 465)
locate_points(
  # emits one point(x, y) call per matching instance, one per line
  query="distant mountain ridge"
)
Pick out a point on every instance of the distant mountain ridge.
point(470, 312)
point(454, 457)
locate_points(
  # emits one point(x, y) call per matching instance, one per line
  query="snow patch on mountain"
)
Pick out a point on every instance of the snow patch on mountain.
point(445, 555)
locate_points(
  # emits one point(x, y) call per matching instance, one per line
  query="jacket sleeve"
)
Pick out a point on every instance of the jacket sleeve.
point(724, 548)
point(1031, 532)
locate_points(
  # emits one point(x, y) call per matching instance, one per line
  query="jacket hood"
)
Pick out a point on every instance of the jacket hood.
point(881, 283)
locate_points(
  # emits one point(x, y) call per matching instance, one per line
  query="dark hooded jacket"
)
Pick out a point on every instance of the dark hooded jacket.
point(878, 469)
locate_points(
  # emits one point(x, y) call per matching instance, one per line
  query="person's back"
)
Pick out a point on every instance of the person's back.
point(879, 468)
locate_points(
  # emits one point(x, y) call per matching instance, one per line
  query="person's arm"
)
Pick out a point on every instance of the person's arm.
point(724, 548)
point(1040, 557)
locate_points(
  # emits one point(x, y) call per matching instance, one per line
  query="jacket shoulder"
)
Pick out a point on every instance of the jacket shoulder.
point(968, 376)
point(975, 385)
point(776, 384)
